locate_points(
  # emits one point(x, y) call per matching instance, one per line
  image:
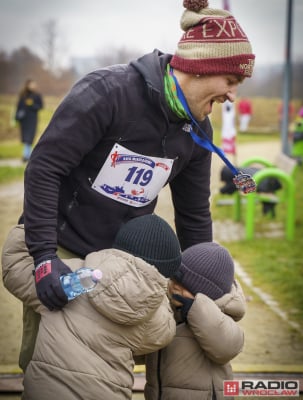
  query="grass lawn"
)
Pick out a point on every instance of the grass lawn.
point(10, 174)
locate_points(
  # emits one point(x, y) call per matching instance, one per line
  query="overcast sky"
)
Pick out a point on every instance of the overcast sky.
point(88, 26)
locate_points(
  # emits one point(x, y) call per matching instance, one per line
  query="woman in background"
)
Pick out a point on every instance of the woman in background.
point(29, 103)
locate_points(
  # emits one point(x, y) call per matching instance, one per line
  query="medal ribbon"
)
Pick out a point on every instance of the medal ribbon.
point(244, 182)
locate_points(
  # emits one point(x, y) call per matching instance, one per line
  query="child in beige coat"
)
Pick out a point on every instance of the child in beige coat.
point(208, 302)
point(86, 350)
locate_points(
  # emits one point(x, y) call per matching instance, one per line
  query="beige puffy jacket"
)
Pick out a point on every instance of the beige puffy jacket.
point(194, 365)
point(86, 350)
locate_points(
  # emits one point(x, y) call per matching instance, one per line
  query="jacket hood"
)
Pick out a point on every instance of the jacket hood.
point(125, 279)
point(152, 67)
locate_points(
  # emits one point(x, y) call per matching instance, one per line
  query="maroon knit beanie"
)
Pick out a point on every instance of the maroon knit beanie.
point(206, 268)
point(213, 42)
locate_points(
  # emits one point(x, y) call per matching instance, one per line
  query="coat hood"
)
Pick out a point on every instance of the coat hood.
point(125, 279)
point(152, 67)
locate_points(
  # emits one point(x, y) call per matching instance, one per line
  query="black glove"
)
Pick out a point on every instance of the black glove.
point(48, 285)
point(187, 303)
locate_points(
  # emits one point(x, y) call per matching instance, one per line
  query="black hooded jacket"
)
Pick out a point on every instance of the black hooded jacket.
point(122, 104)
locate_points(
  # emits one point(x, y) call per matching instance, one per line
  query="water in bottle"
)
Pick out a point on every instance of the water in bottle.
point(81, 281)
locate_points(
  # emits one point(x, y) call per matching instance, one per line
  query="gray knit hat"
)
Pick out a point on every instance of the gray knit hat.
point(152, 239)
point(206, 268)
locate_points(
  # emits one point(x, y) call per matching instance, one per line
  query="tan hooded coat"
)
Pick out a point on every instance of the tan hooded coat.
point(194, 365)
point(85, 351)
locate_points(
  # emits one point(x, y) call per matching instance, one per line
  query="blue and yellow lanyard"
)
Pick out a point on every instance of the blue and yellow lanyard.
point(243, 182)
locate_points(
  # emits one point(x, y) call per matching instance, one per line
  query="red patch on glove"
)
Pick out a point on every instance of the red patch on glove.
point(42, 270)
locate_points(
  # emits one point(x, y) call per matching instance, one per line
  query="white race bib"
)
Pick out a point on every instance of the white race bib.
point(132, 178)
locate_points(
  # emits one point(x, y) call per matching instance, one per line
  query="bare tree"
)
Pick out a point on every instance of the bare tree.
point(49, 44)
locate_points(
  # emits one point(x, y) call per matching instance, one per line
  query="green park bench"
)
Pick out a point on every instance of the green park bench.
point(283, 170)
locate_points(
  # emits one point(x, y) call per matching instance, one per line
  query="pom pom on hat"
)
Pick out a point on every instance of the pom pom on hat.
point(206, 268)
point(152, 239)
point(213, 42)
point(195, 5)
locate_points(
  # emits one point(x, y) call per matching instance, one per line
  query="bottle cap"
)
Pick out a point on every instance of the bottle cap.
point(96, 275)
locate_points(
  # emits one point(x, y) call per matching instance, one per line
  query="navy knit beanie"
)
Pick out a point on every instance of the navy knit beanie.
point(206, 268)
point(152, 239)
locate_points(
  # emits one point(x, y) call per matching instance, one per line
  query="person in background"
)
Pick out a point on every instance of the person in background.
point(119, 136)
point(87, 350)
point(207, 302)
point(228, 131)
point(245, 113)
point(29, 104)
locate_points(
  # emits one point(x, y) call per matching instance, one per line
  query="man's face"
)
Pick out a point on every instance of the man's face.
point(202, 91)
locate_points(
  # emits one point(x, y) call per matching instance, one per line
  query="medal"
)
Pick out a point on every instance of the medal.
point(245, 183)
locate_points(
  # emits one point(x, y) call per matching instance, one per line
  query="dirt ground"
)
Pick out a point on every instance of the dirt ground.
point(271, 344)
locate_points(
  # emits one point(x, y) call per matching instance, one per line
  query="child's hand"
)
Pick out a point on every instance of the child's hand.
point(177, 289)
point(180, 298)
point(185, 304)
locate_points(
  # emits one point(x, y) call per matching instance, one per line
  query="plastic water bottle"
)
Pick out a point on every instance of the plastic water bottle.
point(81, 281)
